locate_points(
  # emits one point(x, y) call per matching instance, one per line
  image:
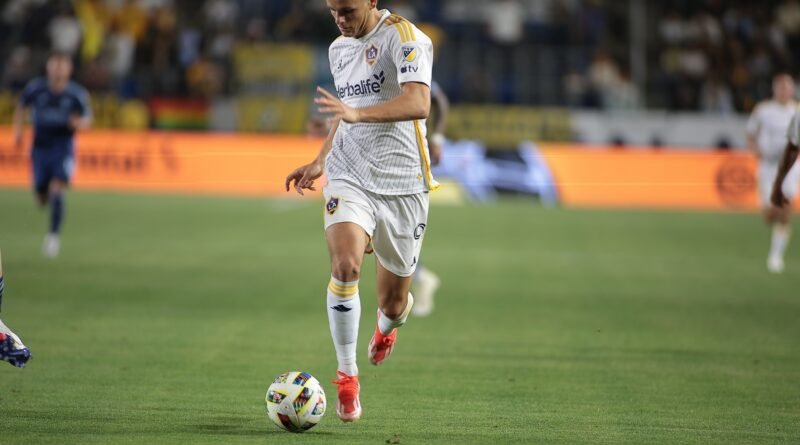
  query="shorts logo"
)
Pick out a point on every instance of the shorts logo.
point(419, 231)
point(332, 205)
point(372, 54)
point(409, 53)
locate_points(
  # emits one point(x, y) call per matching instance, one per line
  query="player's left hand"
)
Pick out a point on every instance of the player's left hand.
point(331, 105)
point(436, 151)
point(75, 121)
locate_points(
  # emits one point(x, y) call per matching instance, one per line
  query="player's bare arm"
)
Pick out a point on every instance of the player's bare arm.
point(787, 161)
point(413, 104)
point(304, 177)
point(19, 124)
point(437, 139)
point(752, 144)
point(79, 123)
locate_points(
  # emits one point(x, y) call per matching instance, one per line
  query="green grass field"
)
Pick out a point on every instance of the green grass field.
point(166, 318)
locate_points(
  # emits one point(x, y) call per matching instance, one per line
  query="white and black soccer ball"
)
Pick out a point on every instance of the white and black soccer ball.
point(295, 401)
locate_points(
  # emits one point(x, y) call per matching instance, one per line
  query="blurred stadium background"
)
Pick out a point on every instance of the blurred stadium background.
point(635, 320)
point(639, 74)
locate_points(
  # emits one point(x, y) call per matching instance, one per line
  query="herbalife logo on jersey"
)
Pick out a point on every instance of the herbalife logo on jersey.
point(370, 85)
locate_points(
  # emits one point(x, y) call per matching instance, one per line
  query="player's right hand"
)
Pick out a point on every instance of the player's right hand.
point(304, 177)
point(18, 141)
point(777, 198)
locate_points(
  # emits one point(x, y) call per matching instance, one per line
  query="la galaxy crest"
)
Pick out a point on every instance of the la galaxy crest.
point(371, 54)
point(332, 205)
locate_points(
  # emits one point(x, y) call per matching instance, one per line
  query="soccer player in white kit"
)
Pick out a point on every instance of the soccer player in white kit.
point(766, 136)
point(377, 164)
point(787, 163)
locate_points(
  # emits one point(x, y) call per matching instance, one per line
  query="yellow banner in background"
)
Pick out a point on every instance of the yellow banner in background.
point(500, 126)
point(257, 63)
point(108, 109)
point(272, 114)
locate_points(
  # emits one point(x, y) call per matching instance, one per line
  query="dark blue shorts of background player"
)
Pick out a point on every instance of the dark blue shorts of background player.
point(58, 108)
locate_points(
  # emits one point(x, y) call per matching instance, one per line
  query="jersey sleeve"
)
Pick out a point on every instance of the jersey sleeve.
point(83, 105)
point(794, 130)
point(754, 122)
point(29, 93)
point(412, 53)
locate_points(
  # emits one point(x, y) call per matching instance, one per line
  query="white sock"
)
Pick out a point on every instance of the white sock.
point(344, 313)
point(386, 325)
point(780, 239)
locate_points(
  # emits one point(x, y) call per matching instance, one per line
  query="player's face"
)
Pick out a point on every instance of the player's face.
point(351, 16)
point(783, 88)
point(59, 68)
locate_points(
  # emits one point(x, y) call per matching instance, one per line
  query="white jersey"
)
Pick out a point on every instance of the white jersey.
point(793, 134)
point(383, 158)
point(768, 124)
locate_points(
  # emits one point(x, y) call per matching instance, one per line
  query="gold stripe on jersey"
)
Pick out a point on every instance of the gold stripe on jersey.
point(432, 184)
point(403, 35)
point(410, 29)
point(403, 26)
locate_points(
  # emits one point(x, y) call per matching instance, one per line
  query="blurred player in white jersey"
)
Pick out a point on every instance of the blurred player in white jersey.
point(11, 348)
point(766, 136)
point(779, 198)
point(378, 169)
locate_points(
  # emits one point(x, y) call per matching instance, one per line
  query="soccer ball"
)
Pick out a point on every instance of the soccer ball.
point(295, 401)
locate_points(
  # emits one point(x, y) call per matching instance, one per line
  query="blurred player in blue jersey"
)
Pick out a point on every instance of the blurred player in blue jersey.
point(11, 348)
point(426, 283)
point(58, 108)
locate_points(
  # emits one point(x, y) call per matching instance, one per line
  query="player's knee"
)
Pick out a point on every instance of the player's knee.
point(56, 187)
point(346, 268)
point(784, 217)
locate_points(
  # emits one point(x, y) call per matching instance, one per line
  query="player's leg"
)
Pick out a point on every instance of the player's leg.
point(62, 168)
point(12, 349)
point(394, 305)
point(766, 177)
point(781, 233)
point(41, 177)
point(781, 224)
point(425, 285)
point(346, 243)
point(397, 241)
point(52, 241)
point(349, 221)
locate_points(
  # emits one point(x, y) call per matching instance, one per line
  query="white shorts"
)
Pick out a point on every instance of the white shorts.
point(766, 178)
point(396, 224)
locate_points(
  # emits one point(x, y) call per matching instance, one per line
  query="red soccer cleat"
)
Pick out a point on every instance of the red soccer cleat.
point(348, 407)
point(381, 346)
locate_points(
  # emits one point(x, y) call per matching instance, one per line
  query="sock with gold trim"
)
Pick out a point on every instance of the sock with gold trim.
point(344, 313)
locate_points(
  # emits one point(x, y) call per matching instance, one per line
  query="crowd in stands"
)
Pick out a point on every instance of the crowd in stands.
point(716, 56)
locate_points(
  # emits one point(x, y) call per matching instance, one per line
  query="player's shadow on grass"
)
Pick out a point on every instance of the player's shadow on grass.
point(237, 426)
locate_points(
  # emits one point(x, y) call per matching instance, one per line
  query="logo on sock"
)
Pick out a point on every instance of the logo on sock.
point(341, 308)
